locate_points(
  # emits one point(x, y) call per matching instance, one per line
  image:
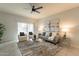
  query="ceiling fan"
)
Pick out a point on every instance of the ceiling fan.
point(34, 9)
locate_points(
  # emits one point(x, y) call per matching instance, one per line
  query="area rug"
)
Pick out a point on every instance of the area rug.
point(38, 48)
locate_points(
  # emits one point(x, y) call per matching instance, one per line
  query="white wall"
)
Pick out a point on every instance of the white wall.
point(70, 18)
point(10, 21)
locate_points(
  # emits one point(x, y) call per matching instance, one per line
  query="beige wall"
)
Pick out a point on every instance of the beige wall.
point(68, 18)
point(71, 19)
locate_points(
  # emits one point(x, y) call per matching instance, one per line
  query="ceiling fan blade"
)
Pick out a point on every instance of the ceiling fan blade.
point(33, 7)
point(37, 11)
point(39, 8)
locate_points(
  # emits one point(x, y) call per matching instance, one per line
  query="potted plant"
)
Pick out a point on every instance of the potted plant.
point(2, 29)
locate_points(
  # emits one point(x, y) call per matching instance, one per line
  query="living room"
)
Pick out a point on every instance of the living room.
point(28, 28)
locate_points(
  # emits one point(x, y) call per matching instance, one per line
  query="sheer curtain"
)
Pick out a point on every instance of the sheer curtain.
point(25, 27)
point(30, 28)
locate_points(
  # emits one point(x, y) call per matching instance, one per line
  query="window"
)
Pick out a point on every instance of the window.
point(25, 27)
point(30, 28)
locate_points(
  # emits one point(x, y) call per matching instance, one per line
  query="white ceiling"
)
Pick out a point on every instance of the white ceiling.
point(24, 9)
